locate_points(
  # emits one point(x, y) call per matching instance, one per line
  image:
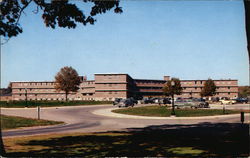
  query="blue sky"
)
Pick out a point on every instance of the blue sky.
point(150, 39)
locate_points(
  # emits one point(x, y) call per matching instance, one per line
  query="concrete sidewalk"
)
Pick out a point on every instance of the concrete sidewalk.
point(108, 113)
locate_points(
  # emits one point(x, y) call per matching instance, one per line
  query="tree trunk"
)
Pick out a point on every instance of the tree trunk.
point(173, 112)
point(66, 95)
point(2, 150)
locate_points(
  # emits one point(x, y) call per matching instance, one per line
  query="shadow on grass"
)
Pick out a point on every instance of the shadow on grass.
point(203, 140)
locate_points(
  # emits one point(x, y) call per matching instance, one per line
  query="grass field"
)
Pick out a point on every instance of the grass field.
point(198, 140)
point(163, 111)
point(12, 122)
point(14, 104)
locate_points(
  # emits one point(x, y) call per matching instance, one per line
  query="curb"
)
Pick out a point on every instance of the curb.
point(107, 112)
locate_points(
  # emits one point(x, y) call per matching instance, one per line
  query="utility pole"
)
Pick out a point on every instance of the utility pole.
point(172, 86)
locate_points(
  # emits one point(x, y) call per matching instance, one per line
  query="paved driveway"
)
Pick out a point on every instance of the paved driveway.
point(96, 119)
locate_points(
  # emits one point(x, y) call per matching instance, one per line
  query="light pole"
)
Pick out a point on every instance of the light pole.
point(38, 109)
point(172, 86)
point(224, 109)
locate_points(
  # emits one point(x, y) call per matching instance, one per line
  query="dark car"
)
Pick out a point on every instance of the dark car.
point(164, 101)
point(241, 100)
point(133, 100)
point(116, 101)
point(125, 103)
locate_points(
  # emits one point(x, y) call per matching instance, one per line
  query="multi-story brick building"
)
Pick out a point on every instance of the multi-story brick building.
point(111, 86)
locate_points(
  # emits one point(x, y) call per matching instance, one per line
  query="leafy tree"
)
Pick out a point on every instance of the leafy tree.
point(209, 88)
point(67, 80)
point(59, 13)
point(244, 91)
point(171, 88)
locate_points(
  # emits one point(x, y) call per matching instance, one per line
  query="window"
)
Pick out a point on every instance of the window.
point(195, 82)
point(195, 88)
point(228, 93)
point(228, 87)
point(201, 82)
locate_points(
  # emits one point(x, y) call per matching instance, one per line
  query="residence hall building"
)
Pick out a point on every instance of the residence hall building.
point(111, 86)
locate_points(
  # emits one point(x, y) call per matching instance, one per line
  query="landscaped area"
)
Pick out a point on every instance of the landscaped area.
point(202, 140)
point(12, 122)
point(163, 111)
point(21, 104)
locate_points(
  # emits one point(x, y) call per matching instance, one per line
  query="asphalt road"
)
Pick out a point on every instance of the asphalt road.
point(82, 119)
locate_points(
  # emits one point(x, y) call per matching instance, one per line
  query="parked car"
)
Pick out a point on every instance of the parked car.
point(125, 103)
point(164, 101)
point(134, 100)
point(116, 101)
point(241, 100)
point(147, 101)
point(183, 103)
point(227, 101)
point(200, 103)
point(191, 103)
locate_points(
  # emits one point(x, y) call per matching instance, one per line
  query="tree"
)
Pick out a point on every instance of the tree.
point(171, 88)
point(59, 13)
point(67, 80)
point(244, 91)
point(209, 88)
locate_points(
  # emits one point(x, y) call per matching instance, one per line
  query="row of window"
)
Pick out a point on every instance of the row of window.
point(35, 89)
point(36, 83)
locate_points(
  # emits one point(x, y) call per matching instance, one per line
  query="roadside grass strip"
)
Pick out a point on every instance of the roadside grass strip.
point(13, 122)
point(21, 104)
point(163, 111)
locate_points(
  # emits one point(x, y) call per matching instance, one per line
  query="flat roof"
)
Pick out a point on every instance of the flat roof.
point(150, 80)
point(111, 74)
point(28, 81)
point(213, 80)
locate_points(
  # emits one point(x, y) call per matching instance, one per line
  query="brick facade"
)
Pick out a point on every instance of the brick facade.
point(111, 86)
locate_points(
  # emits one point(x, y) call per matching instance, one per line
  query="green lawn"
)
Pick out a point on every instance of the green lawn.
point(12, 122)
point(196, 140)
point(163, 111)
point(20, 104)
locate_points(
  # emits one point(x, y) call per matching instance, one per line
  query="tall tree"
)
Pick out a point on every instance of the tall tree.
point(209, 88)
point(67, 80)
point(244, 91)
point(61, 13)
point(171, 88)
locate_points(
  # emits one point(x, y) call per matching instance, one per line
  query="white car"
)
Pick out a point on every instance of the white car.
point(225, 101)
